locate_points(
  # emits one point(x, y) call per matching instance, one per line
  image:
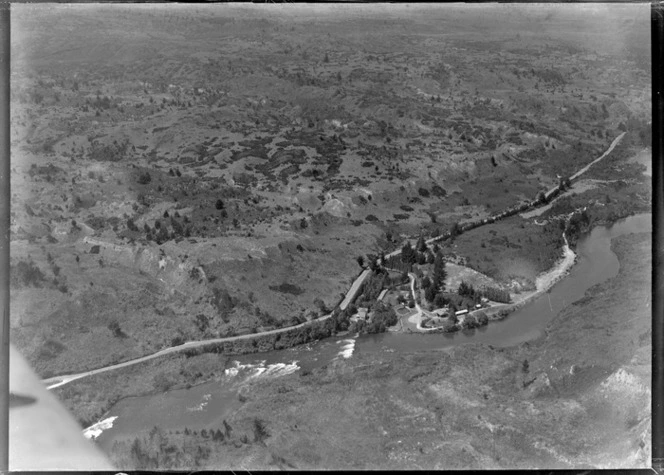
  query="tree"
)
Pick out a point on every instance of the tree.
point(144, 178)
point(202, 322)
point(455, 231)
point(219, 204)
point(482, 318)
point(426, 283)
point(421, 244)
point(137, 454)
point(439, 300)
point(372, 261)
point(463, 288)
point(408, 254)
point(162, 382)
point(162, 235)
point(466, 290)
point(260, 431)
point(318, 302)
point(430, 294)
point(114, 326)
point(360, 261)
point(439, 273)
point(227, 429)
point(470, 322)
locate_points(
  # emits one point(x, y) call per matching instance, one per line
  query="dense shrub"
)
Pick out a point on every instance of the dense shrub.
point(578, 223)
point(482, 318)
point(438, 191)
point(466, 290)
point(108, 153)
point(448, 326)
point(383, 316)
point(287, 289)
point(144, 178)
point(26, 274)
point(470, 322)
point(496, 294)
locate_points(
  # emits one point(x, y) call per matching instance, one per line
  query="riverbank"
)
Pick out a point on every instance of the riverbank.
point(498, 312)
point(585, 383)
point(90, 398)
point(543, 282)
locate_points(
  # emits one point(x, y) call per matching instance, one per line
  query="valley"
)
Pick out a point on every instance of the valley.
point(196, 185)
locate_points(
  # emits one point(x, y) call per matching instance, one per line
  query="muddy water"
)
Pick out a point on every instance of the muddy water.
point(206, 406)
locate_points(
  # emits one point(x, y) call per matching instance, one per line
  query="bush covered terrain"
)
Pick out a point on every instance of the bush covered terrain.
point(190, 173)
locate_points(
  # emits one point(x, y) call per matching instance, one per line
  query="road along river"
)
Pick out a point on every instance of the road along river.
point(206, 405)
point(61, 380)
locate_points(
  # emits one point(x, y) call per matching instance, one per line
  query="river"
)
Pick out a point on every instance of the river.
point(206, 405)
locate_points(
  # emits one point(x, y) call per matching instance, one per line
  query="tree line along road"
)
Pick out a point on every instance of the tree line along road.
point(57, 381)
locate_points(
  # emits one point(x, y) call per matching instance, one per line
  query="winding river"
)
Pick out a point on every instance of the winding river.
point(206, 405)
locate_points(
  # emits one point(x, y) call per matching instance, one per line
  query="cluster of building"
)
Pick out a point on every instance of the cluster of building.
point(445, 311)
